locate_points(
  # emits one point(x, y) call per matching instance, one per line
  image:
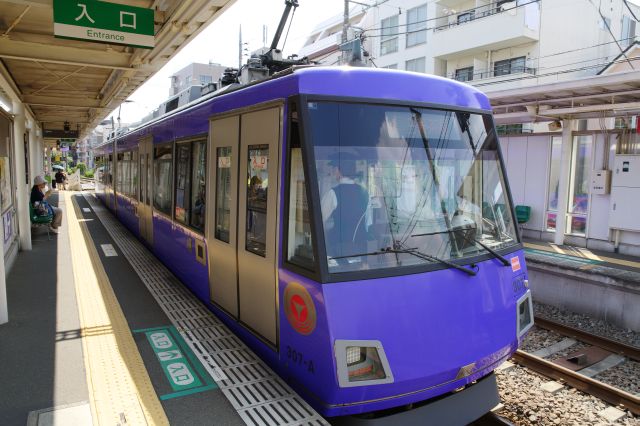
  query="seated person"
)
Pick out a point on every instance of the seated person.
point(343, 209)
point(38, 196)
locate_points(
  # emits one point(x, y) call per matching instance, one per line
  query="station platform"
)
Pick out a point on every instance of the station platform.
point(599, 284)
point(100, 332)
point(605, 263)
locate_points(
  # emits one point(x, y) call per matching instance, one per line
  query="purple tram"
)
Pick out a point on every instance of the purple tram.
point(353, 226)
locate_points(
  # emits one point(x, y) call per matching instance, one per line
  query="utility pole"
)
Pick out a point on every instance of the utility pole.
point(240, 49)
point(345, 21)
point(345, 25)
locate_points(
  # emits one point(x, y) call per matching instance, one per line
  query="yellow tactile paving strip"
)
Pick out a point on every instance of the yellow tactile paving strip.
point(120, 391)
point(583, 253)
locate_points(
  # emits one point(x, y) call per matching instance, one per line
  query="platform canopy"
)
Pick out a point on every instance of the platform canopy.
point(81, 82)
point(610, 95)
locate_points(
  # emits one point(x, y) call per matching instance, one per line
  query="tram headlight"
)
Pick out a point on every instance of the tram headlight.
point(361, 362)
point(525, 314)
point(355, 355)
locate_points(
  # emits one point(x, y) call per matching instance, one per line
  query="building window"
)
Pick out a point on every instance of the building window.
point(389, 35)
point(205, 79)
point(417, 25)
point(187, 81)
point(464, 74)
point(578, 201)
point(509, 66)
point(391, 67)
point(554, 183)
point(605, 24)
point(415, 65)
point(578, 205)
point(506, 3)
point(628, 31)
point(465, 17)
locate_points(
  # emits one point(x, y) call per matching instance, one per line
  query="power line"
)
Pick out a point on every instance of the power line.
point(585, 68)
point(630, 10)
point(606, 24)
point(427, 20)
point(441, 17)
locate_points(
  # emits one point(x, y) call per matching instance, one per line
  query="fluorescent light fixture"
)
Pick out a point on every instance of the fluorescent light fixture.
point(5, 106)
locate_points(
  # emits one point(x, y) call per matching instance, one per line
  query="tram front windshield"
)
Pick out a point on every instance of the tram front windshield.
point(407, 186)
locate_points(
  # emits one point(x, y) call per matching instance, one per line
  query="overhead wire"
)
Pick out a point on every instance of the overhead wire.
point(440, 17)
point(630, 10)
point(606, 24)
point(585, 68)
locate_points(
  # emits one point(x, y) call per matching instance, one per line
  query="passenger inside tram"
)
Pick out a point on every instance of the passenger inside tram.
point(343, 208)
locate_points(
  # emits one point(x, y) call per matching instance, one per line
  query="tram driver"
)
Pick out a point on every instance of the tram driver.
point(343, 209)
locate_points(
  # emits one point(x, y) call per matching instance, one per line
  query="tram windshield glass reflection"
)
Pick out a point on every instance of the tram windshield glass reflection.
point(398, 182)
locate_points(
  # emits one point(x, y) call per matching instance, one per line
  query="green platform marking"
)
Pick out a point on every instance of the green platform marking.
point(178, 362)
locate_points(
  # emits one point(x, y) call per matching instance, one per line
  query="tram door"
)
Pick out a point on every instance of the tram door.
point(242, 232)
point(145, 171)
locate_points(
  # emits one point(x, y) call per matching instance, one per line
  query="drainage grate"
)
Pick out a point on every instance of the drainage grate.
point(259, 396)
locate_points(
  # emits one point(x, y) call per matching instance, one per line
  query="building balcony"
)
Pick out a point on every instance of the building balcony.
point(319, 47)
point(486, 28)
point(490, 82)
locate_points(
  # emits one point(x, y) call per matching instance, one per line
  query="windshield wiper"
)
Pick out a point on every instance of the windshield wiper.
point(502, 259)
point(425, 256)
point(414, 251)
point(383, 250)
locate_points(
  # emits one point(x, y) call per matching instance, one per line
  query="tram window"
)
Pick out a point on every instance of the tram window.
point(162, 165)
point(257, 191)
point(300, 244)
point(182, 182)
point(134, 175)
point(407, 178)
point(109, 176)
point(223, 192)
point(126, 178)
point(198, 184)
point(119, 173)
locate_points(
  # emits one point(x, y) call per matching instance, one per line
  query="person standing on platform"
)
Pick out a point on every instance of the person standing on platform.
point(61, 180)
point(38, 196)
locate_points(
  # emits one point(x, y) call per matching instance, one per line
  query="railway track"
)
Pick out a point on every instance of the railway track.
point(491, 419)
point(579, 381)
point(631, 352)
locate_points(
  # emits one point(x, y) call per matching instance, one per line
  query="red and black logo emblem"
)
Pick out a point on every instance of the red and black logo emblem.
point(299, 308)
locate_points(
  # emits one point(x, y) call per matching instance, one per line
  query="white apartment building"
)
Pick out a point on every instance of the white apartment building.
point(511, 45)
point(195, 74)
point(322, 46)
point(497, 45)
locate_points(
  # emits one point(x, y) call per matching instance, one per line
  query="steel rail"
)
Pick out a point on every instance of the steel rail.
point(631, 352)
point(492, 419)
point(581, 382)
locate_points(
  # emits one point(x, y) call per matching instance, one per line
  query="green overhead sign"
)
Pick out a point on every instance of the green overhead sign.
point(103, 22)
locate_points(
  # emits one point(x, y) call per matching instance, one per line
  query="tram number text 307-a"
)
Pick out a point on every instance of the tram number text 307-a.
point(296, 357)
